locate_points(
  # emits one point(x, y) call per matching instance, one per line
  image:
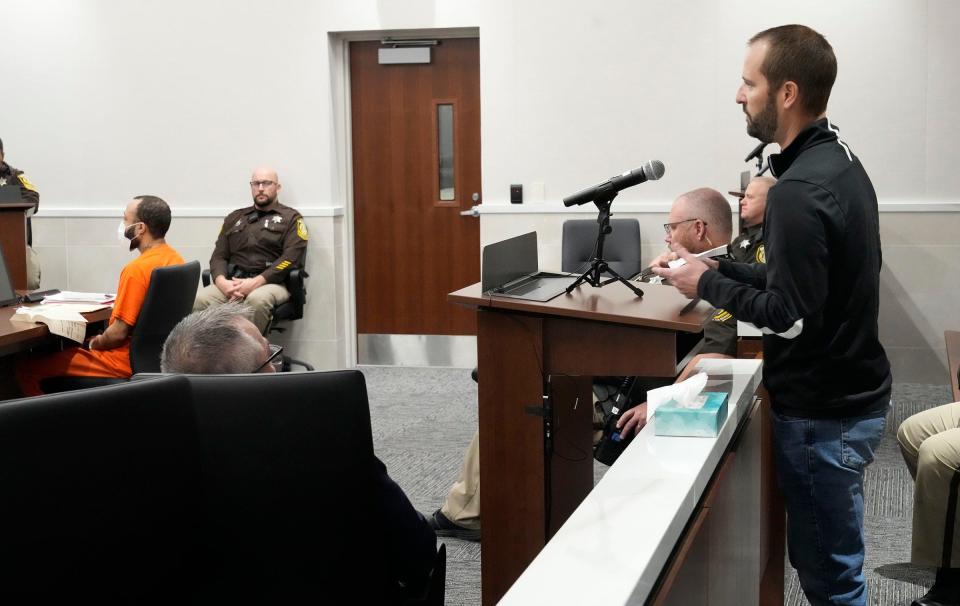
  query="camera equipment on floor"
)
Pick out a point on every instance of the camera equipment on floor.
point(611, 444)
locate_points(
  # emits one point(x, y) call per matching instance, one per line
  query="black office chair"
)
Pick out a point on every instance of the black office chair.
point(296, 500)
point(101, 495)
point(169, 299)
point(621, 249)
point(289, 310)
point(260, 488)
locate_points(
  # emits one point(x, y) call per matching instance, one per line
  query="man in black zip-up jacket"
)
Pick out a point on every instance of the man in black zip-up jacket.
point(817, 301)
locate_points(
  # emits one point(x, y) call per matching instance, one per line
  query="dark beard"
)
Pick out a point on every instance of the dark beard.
point(264, 204)
point(764, 126)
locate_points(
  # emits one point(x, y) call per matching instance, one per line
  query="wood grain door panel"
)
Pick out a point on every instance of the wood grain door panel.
point(411, 248)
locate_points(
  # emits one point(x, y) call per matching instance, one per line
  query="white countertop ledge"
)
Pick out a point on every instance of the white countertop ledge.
point(613, 548)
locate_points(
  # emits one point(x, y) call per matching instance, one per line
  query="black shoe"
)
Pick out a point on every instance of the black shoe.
point(945, 590)
point(445, 528)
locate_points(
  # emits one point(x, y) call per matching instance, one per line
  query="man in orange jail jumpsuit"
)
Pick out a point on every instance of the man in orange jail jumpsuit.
point(145, 223)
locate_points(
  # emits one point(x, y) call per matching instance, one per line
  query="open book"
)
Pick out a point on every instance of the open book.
point(64, 320)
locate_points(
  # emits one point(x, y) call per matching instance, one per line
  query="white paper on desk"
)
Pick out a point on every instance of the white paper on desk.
point(684, 393)
point(63, 320)
point(69, 296)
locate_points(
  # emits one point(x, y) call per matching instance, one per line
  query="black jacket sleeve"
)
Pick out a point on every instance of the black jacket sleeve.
point(754, 274)
point(797, 263)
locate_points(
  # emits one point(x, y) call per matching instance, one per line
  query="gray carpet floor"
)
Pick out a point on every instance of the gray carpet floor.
point(423, 420)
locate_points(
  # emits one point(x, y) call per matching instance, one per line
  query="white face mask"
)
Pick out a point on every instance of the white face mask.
point(122, 231)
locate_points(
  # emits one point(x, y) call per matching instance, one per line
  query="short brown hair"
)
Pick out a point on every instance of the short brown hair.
point(799, 54)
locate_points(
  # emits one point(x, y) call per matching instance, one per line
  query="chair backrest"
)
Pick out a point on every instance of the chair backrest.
point(169, 299)
point(246, 488)
point(621, 248)
point(101, 494)
point(289, 474)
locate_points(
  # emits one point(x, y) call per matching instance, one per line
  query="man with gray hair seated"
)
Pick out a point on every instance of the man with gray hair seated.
point(219, 340)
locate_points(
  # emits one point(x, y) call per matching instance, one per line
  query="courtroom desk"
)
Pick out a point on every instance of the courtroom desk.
point(674, 520)
point(536, 362)
point(22, 336)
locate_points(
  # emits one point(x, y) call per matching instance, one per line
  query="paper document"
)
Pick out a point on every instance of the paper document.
point(68, 296)
point(709, 254)
point(63, 320)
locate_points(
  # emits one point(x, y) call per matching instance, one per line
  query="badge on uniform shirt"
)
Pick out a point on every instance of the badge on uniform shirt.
point(25, 182)
point(277, 219)
point(301, 229)
point(3, 182)
point(745, 244)
point(761, 255)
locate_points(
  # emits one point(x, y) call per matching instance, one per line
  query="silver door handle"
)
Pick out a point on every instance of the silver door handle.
point(473, 212)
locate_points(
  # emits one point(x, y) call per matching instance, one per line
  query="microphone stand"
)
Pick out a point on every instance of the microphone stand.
point(594, 274)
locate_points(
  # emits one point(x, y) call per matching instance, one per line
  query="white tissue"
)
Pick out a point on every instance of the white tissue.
point(685, 394)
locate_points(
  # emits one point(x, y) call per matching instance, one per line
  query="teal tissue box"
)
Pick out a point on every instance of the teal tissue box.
point(704, 422)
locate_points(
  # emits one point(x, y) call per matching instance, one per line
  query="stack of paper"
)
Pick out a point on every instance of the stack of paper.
point(68, 296)
point(63, 320)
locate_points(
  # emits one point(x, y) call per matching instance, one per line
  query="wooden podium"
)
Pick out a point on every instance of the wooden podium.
point(536, 362)
point(13, 236)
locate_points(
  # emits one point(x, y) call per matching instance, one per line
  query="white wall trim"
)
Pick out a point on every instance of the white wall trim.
point(494, 208)
point(201, 212)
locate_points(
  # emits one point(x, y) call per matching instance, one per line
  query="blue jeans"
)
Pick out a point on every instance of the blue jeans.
point(820, 465)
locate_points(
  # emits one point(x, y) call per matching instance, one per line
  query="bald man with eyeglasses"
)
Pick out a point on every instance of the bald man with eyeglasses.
point(258, 246)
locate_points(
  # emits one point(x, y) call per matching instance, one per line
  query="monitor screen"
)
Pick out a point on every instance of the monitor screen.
point(7, 296)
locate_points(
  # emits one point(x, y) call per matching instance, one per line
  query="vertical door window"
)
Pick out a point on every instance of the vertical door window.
point(445, 160)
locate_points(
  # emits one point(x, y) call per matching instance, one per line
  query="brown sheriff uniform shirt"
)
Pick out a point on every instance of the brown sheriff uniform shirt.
point(268, 242)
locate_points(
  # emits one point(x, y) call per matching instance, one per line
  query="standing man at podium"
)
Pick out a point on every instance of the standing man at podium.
point(816, 301)
point(11, 177)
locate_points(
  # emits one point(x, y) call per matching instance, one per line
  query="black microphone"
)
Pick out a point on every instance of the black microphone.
point(651, 171)
point(756, 153)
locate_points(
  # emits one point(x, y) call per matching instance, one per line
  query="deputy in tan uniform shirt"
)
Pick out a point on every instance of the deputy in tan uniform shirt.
point(257, 247)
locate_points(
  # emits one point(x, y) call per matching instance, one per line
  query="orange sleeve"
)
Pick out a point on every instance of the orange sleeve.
point(130, 294)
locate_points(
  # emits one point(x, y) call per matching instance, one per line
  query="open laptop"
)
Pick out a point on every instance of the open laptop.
point(10, 194)
point(510, 270)
point(7, 295)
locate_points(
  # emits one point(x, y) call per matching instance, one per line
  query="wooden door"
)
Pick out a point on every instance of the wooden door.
point(412, 245)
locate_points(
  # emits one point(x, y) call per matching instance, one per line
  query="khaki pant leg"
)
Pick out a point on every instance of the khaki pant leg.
point(262, 300)
point(462, 505)
point(207, 296)
point(33, 269)
point(930, 442)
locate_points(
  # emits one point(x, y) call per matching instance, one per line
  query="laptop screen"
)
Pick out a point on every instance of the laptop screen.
point(7, 296)
point(506, 261)
point(10, 194)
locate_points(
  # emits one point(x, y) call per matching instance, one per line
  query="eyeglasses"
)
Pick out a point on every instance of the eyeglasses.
point(271, 358)
point(668, 227)
point(263, 184)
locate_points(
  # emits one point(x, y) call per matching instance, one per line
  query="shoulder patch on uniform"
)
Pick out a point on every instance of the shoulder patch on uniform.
point(301, 228)
point(26, 182)
point(721, 315)
point(761, 255)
